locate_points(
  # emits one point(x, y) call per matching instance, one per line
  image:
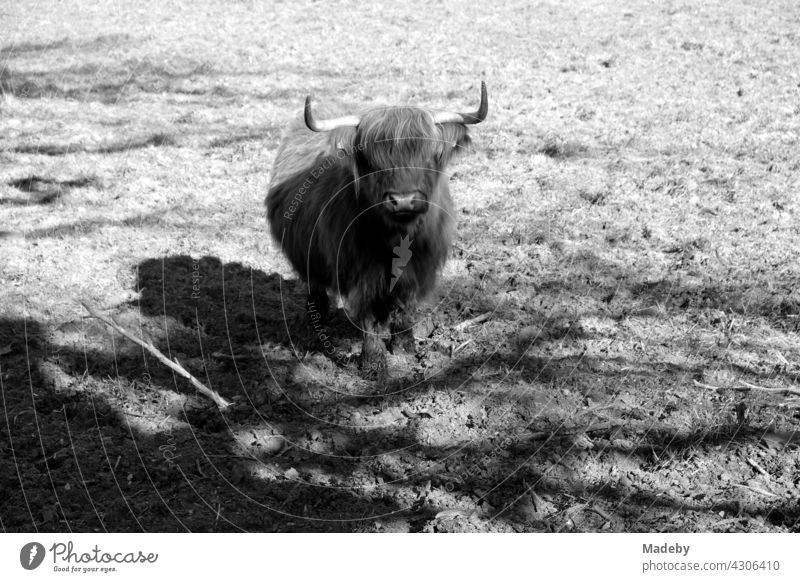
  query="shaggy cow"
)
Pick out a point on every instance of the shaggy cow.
point(361, 207)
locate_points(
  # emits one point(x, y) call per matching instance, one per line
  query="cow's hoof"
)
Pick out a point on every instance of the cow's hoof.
point(403, 343)
point(374, 368)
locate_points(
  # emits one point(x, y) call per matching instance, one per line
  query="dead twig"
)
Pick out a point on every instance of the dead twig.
point(604, 427)
point(473, 321)
point(598, 511)
point(595, 409)
point(221, 356)
point(126, 413)
point(756, 490)
point(746, 386)
point(20, 413)
point(461, 347)
point(216, 520)
point(707, 386)
point(782, 358)
point(757, 467)
point(174, 365)
point(794, 391)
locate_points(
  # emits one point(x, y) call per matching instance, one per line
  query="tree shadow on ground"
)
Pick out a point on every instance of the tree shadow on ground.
point(102, 42)
point(156, 139)
point(84, 226)
point(43, 190)
point(113, 81)
point(97, 441)
point(104, 437)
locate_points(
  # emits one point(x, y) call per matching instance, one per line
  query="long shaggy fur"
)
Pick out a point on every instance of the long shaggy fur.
point(325, 207)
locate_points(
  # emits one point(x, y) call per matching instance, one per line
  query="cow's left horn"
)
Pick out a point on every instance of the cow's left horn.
point(327, 124)
point(466, 118)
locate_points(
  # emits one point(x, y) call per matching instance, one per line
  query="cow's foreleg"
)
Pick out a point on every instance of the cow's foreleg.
point(317, 305)
point(402, 329)
point(373, 352)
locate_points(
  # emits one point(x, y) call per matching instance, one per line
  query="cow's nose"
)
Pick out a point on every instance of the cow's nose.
point(405, 201)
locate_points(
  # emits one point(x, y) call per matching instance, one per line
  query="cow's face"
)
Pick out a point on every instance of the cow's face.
point(399, 154)
point(400, 158)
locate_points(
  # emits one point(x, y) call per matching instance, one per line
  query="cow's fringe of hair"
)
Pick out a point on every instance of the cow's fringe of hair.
point(319, 220)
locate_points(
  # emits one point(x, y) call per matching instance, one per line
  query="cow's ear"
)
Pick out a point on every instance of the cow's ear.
point(455, 141)
point(343, 141)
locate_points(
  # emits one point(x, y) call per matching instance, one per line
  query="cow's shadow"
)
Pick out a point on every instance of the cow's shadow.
point(234, 310)
point(229, 303)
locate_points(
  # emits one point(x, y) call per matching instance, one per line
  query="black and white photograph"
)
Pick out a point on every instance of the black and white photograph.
point(526, 267)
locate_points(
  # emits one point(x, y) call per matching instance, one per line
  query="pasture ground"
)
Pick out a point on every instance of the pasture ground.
point(628, 219)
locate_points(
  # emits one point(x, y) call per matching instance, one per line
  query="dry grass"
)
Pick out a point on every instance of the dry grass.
point(629, 216)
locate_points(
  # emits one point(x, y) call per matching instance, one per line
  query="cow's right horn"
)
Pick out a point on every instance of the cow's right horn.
point(327, 124)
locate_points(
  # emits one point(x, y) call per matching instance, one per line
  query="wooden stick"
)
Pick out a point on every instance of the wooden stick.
point(462, 346)
point(757, 467)
point(174, 365)
point(794, 391)
point(781, 357)
point(474, 321)
point(707, 386)
point(223, 356)
point(599, 512)
point(747, 386)
point(756, 490)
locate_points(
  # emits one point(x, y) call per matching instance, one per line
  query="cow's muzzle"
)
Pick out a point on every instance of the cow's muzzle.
point(405, 206)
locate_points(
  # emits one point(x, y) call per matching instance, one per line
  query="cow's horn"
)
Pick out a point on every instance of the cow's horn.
point(465, 118)
point(327, 124)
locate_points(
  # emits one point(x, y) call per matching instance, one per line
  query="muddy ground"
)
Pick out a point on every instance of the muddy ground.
point(613, 345)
